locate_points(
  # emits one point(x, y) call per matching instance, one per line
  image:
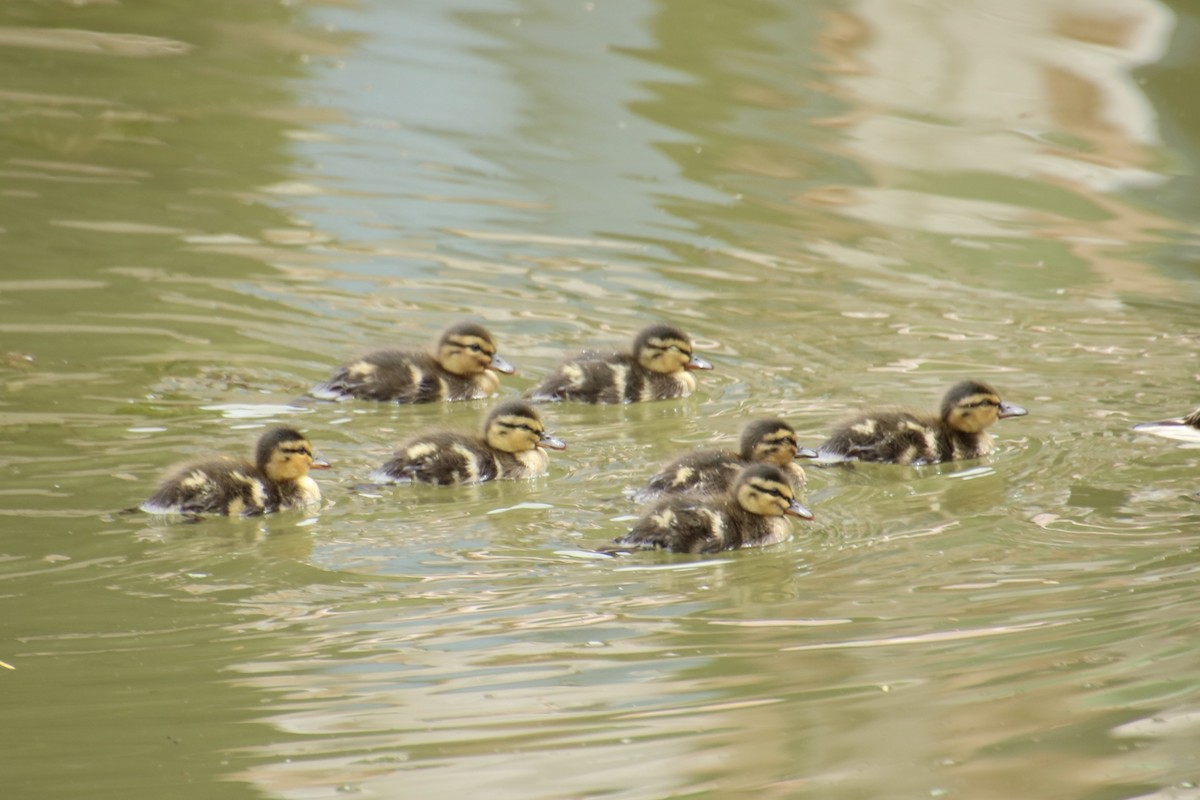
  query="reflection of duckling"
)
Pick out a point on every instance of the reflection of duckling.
point(767, 441)
point(658, 368)
point(750, 514)
point(1184, 428)
point(278, 479)
point(511, 447)
point(900, 437)
point(463, 368)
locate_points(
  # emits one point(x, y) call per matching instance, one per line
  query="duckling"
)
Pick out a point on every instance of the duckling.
point(658, 368)
point(900, 437)
point(751, 513)
point(710, 472)
point(512, 446)
point(278, 479)
point(462, 368)
point(1183, 428)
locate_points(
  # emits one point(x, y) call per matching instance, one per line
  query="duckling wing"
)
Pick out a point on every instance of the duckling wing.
point(708, 473)
point(442, 459)
point(389, 376)
point(591, 378)
point(895, 438)
point(679, 525)
point(219, 486)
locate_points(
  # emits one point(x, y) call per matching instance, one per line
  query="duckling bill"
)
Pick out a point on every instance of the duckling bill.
point(711, 472)
point(658, 368)
point(750, 514)
point(958, 431)
point(277, 480)
point(513, 445)
point(463, 367)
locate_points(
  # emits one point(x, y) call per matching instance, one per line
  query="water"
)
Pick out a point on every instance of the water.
point(844, 202)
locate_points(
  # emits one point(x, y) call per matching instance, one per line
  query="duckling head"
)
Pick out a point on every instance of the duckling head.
point(515, 427)
point(772, 441)
point(283, 454)
point(468, 349)
point(666, 349)
point(971, 406)
point(764, 490)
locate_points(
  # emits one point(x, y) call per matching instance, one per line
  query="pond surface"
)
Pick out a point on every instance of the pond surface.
point(845, 202)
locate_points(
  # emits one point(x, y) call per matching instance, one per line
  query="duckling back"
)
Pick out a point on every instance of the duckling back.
point(752, 513)
point(403, 376)
point(712, 472)
point(899, 437)
point(441, 458)
point(223, 485)
point(658, 368)
point(679, 524)
point(511, 447)
point(705, 472)
point(610, 378)
point(463, 367)
point(693, 524)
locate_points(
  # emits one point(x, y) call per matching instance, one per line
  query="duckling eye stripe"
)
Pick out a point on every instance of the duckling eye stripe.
point(659, 344)
point(467, 345)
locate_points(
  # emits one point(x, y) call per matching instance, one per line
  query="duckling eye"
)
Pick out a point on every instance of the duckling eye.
point(474, 348)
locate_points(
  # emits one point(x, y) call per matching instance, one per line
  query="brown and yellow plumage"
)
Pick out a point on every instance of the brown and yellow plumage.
point(512, 446)
point(463, 367)
point(278, 479)
point(658, 368)
point(902, 437)
point(750, 514)
point(767, 441)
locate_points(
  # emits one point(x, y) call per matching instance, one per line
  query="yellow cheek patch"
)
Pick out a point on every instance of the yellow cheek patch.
point(775, 448)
